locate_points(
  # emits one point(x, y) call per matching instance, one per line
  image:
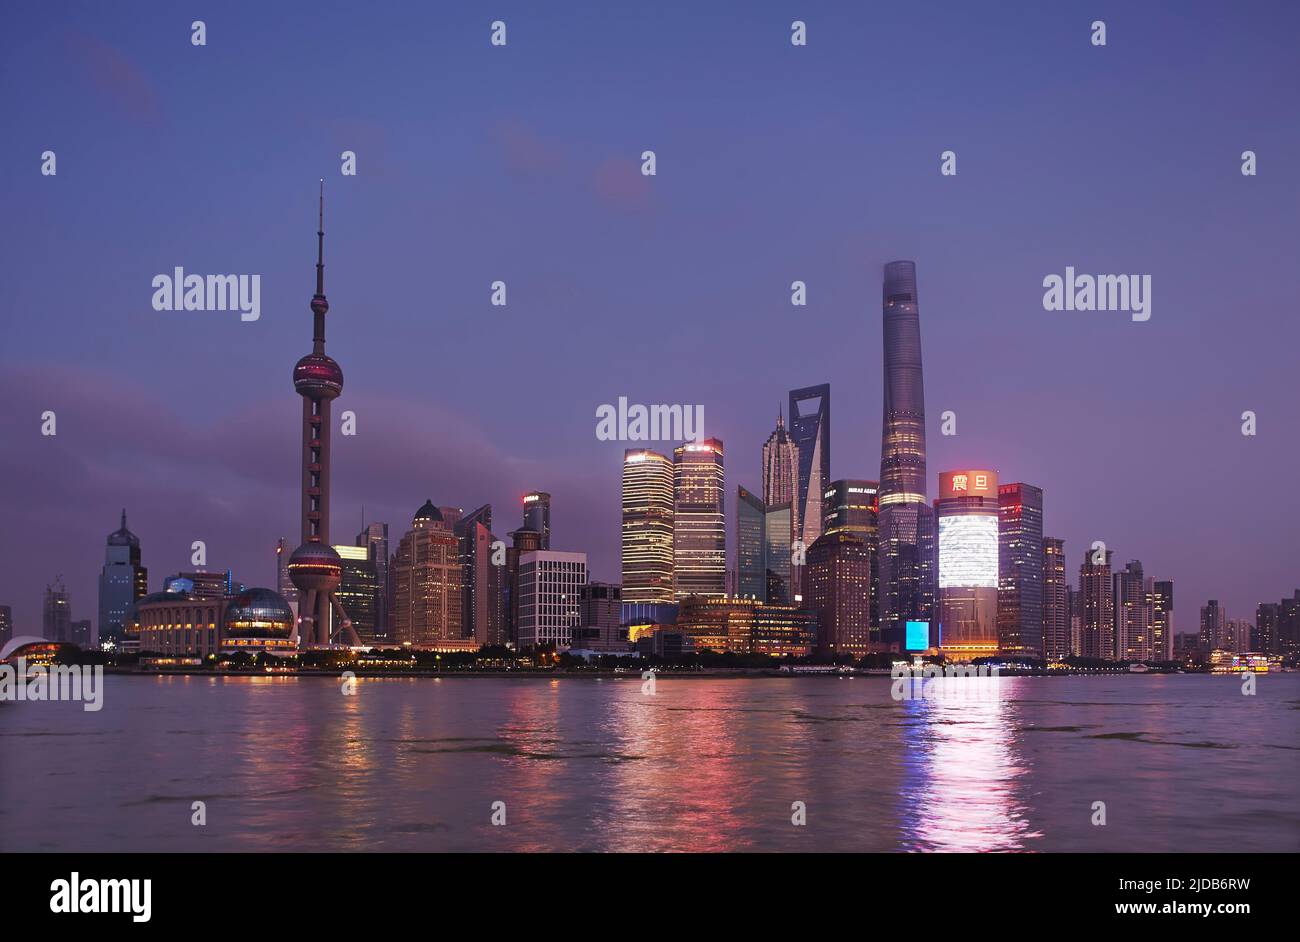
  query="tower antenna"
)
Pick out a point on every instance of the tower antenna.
point(320, 243)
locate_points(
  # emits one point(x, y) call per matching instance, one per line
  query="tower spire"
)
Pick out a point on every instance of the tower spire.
point(320, 244)
point(319, 305)
point(123, 518)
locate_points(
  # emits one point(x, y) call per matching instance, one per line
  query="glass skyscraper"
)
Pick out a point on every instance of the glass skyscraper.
point(751, 571)
point(764, 563)
point(374, 537)
point(121, 582)
point(907, 547)
point(1020, 570)
point(810, 428)
point(356, 593)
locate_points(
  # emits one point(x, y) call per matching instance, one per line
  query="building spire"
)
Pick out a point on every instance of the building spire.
point(123, 518)
point(780, 419)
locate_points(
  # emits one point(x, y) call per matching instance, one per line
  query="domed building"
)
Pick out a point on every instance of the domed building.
point(258, 620)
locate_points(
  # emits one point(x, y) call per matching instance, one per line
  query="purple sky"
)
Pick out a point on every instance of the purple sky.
point(775, 163)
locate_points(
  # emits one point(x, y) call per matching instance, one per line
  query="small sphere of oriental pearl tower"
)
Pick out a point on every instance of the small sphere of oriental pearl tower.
point(315, 566)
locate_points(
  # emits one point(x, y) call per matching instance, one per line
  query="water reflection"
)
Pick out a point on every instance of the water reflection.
point(965, 785)
point(705, 764)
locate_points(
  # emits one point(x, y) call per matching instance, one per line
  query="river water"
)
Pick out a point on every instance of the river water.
point(1182, 763)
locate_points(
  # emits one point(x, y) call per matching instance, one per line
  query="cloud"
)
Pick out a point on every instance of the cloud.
point(116, 77)
point(619, 184)
point(525, 152)
point(233, 481)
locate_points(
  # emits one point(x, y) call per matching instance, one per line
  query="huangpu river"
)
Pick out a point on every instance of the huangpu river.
point(1181, 763)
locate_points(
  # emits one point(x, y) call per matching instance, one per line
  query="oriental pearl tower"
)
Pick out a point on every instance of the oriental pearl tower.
point(315, 567)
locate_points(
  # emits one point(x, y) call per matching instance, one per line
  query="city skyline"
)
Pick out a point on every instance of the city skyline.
point(1156, 393)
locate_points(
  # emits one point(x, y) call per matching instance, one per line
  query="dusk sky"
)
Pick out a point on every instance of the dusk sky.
point(522, 164)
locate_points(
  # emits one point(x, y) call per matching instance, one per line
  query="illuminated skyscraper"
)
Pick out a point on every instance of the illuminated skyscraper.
point(647, 535)
point(1020, 570)
point(315, 567)
point(483, 598)
point(550, 597)
point(1214, 626)
point(374, 537)
point(1132, 592)
point(699, 520)
point(356, 591)
point(1056, 609)
point(781, 470)
point(427, 583)
point(1162, 619)
point(1288, 625)
point(6, 625)
point(537, 515)
point(838, 583)
point(967, 511)
point(1265, 628)
point(56, 620)
point(121, 582)
point(810, 427)
point(1096, 603)
point(907, 550)
point(851, 506)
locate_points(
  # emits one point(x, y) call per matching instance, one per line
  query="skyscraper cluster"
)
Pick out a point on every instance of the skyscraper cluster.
point(846, 566)
point(879, 564)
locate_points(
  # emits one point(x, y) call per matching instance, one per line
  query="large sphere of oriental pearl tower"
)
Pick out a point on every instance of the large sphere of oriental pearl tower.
point(316, 567)
point(317, 376)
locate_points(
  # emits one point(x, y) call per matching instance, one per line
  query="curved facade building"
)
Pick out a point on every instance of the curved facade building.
point(906, 567)
point(968, 509)
point(902, 445)
point(177, 624)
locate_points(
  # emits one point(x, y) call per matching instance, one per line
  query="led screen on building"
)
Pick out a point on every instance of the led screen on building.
point(968, 551)
point(918, 635)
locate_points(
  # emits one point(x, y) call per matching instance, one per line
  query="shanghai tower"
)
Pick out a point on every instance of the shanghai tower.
point(315, 567)
point(906, 523)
